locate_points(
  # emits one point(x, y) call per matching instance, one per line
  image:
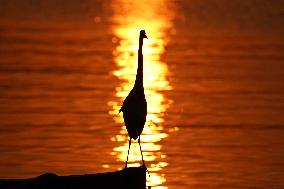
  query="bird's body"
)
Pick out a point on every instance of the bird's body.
point(134, 112)
point(134, 107)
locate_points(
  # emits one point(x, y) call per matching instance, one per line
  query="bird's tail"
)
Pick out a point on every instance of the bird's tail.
point(120, 110)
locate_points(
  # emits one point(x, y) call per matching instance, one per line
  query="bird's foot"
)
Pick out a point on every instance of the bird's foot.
point(144, 166)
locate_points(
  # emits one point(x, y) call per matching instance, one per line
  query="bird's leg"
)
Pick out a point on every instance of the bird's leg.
point(141, 151)
point(128, 153)
point(144, 166)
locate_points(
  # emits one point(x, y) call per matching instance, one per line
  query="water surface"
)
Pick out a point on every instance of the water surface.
point(215, 97)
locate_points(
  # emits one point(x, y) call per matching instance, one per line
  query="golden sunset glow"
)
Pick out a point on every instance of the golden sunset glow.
point(128, 21)
point(213, 79)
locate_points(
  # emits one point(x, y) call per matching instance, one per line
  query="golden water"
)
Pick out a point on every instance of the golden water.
point(215, 95)
point(127, 22)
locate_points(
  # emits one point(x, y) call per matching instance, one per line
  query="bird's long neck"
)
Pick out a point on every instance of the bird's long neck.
point(139, 75)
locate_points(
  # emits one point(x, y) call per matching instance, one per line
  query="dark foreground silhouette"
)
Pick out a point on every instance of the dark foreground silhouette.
point(129, 178)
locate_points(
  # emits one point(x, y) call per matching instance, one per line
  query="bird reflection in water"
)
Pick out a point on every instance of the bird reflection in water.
point(155, 18)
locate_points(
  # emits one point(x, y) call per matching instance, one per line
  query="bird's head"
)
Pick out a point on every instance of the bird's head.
point(143, 34)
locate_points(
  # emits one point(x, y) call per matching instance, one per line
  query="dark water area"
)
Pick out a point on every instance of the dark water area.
point(215, 94)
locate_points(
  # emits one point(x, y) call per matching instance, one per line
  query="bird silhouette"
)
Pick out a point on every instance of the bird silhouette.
point(134, 106)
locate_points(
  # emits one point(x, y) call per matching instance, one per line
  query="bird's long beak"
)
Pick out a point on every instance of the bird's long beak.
point(146, 37)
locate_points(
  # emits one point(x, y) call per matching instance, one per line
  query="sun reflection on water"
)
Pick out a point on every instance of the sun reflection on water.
point(129, 17)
